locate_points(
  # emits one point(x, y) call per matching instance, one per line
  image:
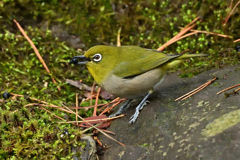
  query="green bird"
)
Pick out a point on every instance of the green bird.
point(129, 71)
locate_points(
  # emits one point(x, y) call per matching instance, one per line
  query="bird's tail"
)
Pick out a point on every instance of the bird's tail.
point(186, 56)
point(176, 61)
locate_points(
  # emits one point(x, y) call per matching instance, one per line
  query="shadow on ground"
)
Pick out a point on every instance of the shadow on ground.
point(205, 126)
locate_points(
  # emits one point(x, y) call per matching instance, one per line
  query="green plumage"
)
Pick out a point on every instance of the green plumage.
point(139, 60)
point(127, 61)
point(129, 71)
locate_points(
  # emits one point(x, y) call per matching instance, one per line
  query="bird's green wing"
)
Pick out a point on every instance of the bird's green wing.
point(141, 64)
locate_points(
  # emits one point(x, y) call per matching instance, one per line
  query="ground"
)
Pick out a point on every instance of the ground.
point(166, 129)
point(205, 126)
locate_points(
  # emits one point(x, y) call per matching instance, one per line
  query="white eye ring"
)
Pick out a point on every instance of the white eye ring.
point(97, 57)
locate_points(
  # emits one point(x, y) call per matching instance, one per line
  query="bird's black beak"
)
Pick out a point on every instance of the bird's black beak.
point(79, 60)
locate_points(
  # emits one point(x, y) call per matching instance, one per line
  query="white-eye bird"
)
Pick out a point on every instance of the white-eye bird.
point(129, 71)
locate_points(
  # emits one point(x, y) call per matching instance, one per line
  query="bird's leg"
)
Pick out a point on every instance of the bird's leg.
point(139, 107)
point(125, 106)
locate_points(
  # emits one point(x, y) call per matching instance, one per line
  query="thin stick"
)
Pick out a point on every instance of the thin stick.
point(70, 111)
point(206, 84)
point(184, 51)
point(96, 127)
point(45, 105)
point(14, 111)
point(38, 104)
point(228, 88)
point(36, 51)
point(237, 89)
point(189, 94)
point(87, 129)
point(179, 38)
point(101, 120)
point(227, 18)
point(89, 98)
point(196, 19)
point(206, 32)
point(118, 37)
point(96, 102)
point(103, 104)
point(107, 131)
point(236, 41)
point(113, 101)
point(76, 108)
point(110, 108)
point(98, 141)
point(53, 114)
point(183, 31)
point(35, 99)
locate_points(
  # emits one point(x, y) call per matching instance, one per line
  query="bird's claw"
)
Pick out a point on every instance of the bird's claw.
point(144, 104)
point(138, 109)
point(122, 108)
point(134, 117)
point(113, 115)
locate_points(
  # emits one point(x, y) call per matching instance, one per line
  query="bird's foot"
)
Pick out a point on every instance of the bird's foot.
point(113, 115)
point(134, 117)
point(139, 107)
point(144, 104)
point(125, 105)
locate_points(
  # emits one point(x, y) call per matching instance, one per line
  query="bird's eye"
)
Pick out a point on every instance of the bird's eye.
point(97, 57)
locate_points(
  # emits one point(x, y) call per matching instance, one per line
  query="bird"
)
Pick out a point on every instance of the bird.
point(129, 72)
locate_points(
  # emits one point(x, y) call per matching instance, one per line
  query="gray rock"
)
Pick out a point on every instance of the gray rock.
point(86, 153)
point(205, 126)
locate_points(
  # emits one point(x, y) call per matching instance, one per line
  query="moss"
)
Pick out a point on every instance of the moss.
point(63, 29)
point(29, 137)
point(222, 123)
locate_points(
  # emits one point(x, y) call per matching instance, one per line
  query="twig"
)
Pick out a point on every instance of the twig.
point(76, 108)
point(184, 51)
point(14, 111)
point(227, 18)
point(38, 104)
point(178, 36)
point(103, 104)
point(92, 120)
point(110, 108)
point(98, 141)
point(96, 127)
point(113, 101)
point(36, 51)
point(186, 35)
point(118, 37)
point(237, 89)
point(229, 88)
point(87, 129)
point(206, 32)
point(196, 19)
point(79, 85)
point(237, 40)
point(53, 114)
point(107, 131)
point(189, 94)
point(67, 110)
point(96, 102)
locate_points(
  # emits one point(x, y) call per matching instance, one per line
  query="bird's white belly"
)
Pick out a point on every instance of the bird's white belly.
point(134, 87)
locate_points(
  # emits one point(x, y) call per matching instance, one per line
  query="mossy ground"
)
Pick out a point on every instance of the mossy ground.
point(147, 24)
